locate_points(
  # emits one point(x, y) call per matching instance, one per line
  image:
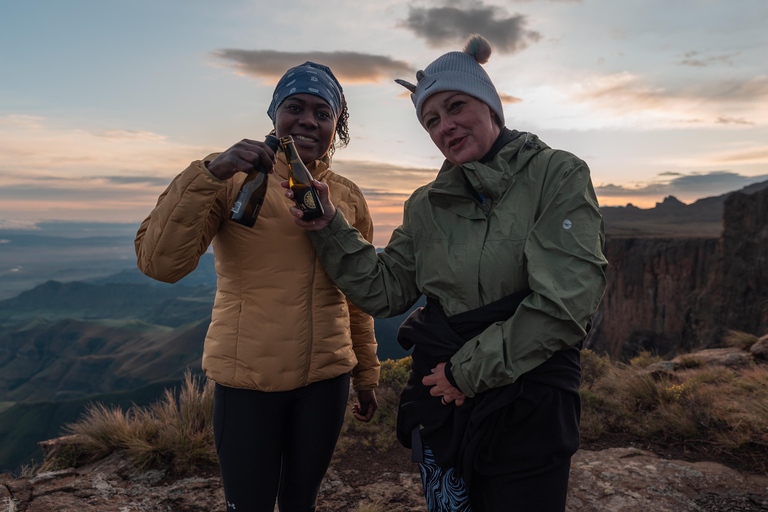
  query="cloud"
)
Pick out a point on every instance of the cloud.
point(349, 67)
point(631, 98)
point(619, 91)
point(156, 181)
point(691, 59)
point(736, 91)
point(441, 26)
point(74, 152)
point(687, 187)
point(23, 122)
point(756, 155)
point(14, 224)
point(114, 174)
point(506, 98)
point(130, 135)
point(625, 87)
point(389, 180)
point(732, 120)
point(611, 190)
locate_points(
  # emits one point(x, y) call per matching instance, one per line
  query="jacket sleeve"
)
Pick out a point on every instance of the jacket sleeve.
point(365, 375)
point(179, 230)
point(566, 273)
point(382, 284)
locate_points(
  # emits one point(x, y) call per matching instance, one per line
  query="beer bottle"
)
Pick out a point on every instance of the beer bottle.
point(300, 182)
point(251, 196)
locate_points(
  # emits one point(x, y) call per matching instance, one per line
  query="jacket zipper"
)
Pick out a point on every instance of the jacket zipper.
point(311, 322)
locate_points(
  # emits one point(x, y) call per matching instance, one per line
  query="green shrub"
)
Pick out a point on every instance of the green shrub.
point(394, 373)
point(380, 431)
point(644, 359)
point(593, 367)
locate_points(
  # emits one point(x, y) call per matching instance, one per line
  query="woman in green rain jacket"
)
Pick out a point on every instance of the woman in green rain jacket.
point(506, 243)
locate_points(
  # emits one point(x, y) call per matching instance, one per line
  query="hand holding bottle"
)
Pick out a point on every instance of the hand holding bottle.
point(251, 196)
point(329, 210)
point(242, 157)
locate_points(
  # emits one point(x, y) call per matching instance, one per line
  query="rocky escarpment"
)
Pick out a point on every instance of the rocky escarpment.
point(672, 294)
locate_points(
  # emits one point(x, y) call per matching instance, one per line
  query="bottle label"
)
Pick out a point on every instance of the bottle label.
point(308, 200)
point(236, 207)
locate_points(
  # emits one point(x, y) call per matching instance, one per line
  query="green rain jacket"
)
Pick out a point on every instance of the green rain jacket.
point(534, 222)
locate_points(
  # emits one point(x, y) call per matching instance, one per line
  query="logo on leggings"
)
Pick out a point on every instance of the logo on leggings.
point(231, 506)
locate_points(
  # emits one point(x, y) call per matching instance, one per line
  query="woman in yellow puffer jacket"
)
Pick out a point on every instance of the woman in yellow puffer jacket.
point(283, 340)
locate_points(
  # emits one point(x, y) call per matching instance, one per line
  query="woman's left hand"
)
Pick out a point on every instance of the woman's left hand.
point(442, 386)
point(366, 405)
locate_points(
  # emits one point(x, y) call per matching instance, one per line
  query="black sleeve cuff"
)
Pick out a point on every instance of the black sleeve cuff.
point(449, 375)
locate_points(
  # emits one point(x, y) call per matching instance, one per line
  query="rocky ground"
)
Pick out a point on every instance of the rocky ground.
point(624, 479)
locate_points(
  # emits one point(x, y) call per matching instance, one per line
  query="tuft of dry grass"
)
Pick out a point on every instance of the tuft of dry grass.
point(690, 361)
point(739, 339)
point(715, 408)
point(174, 433)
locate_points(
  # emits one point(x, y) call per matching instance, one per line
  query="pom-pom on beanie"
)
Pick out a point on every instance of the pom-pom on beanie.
point(457, 71)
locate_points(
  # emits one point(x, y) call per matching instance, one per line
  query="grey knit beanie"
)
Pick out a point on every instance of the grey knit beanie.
point(457, 71)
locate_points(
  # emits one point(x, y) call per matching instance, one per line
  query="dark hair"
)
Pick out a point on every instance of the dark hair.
point(342, 129)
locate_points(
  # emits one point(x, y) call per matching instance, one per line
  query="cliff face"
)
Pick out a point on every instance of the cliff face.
point(682, 293)
point(743, 279)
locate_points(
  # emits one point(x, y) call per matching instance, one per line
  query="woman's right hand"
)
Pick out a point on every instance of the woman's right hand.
point(244, 156)
point(329, 211)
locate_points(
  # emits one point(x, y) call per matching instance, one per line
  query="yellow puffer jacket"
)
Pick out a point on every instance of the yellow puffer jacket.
point(278, 321)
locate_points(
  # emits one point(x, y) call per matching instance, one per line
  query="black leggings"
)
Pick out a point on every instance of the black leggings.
point(277, 445)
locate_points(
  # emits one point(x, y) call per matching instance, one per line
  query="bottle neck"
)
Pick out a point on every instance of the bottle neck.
point(315, 168)
point(289, 148)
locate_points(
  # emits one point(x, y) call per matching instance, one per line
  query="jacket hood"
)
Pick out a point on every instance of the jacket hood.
point(449, 190)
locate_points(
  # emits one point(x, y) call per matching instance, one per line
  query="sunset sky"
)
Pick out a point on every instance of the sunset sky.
point(102, 103)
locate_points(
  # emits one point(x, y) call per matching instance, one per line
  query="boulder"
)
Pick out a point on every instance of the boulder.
point(760, 349)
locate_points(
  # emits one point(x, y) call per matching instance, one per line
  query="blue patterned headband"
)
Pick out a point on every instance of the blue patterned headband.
point(309, 78)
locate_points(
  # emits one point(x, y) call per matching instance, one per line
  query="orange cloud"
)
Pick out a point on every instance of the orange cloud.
point(506, 98)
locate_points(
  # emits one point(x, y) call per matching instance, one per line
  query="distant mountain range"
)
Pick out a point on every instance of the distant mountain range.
point(671, 218)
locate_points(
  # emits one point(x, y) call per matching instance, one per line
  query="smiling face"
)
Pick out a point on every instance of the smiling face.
point(462, 127)
point(310, 121)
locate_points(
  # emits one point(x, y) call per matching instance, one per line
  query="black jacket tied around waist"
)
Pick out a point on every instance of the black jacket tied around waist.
point(454, 433)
